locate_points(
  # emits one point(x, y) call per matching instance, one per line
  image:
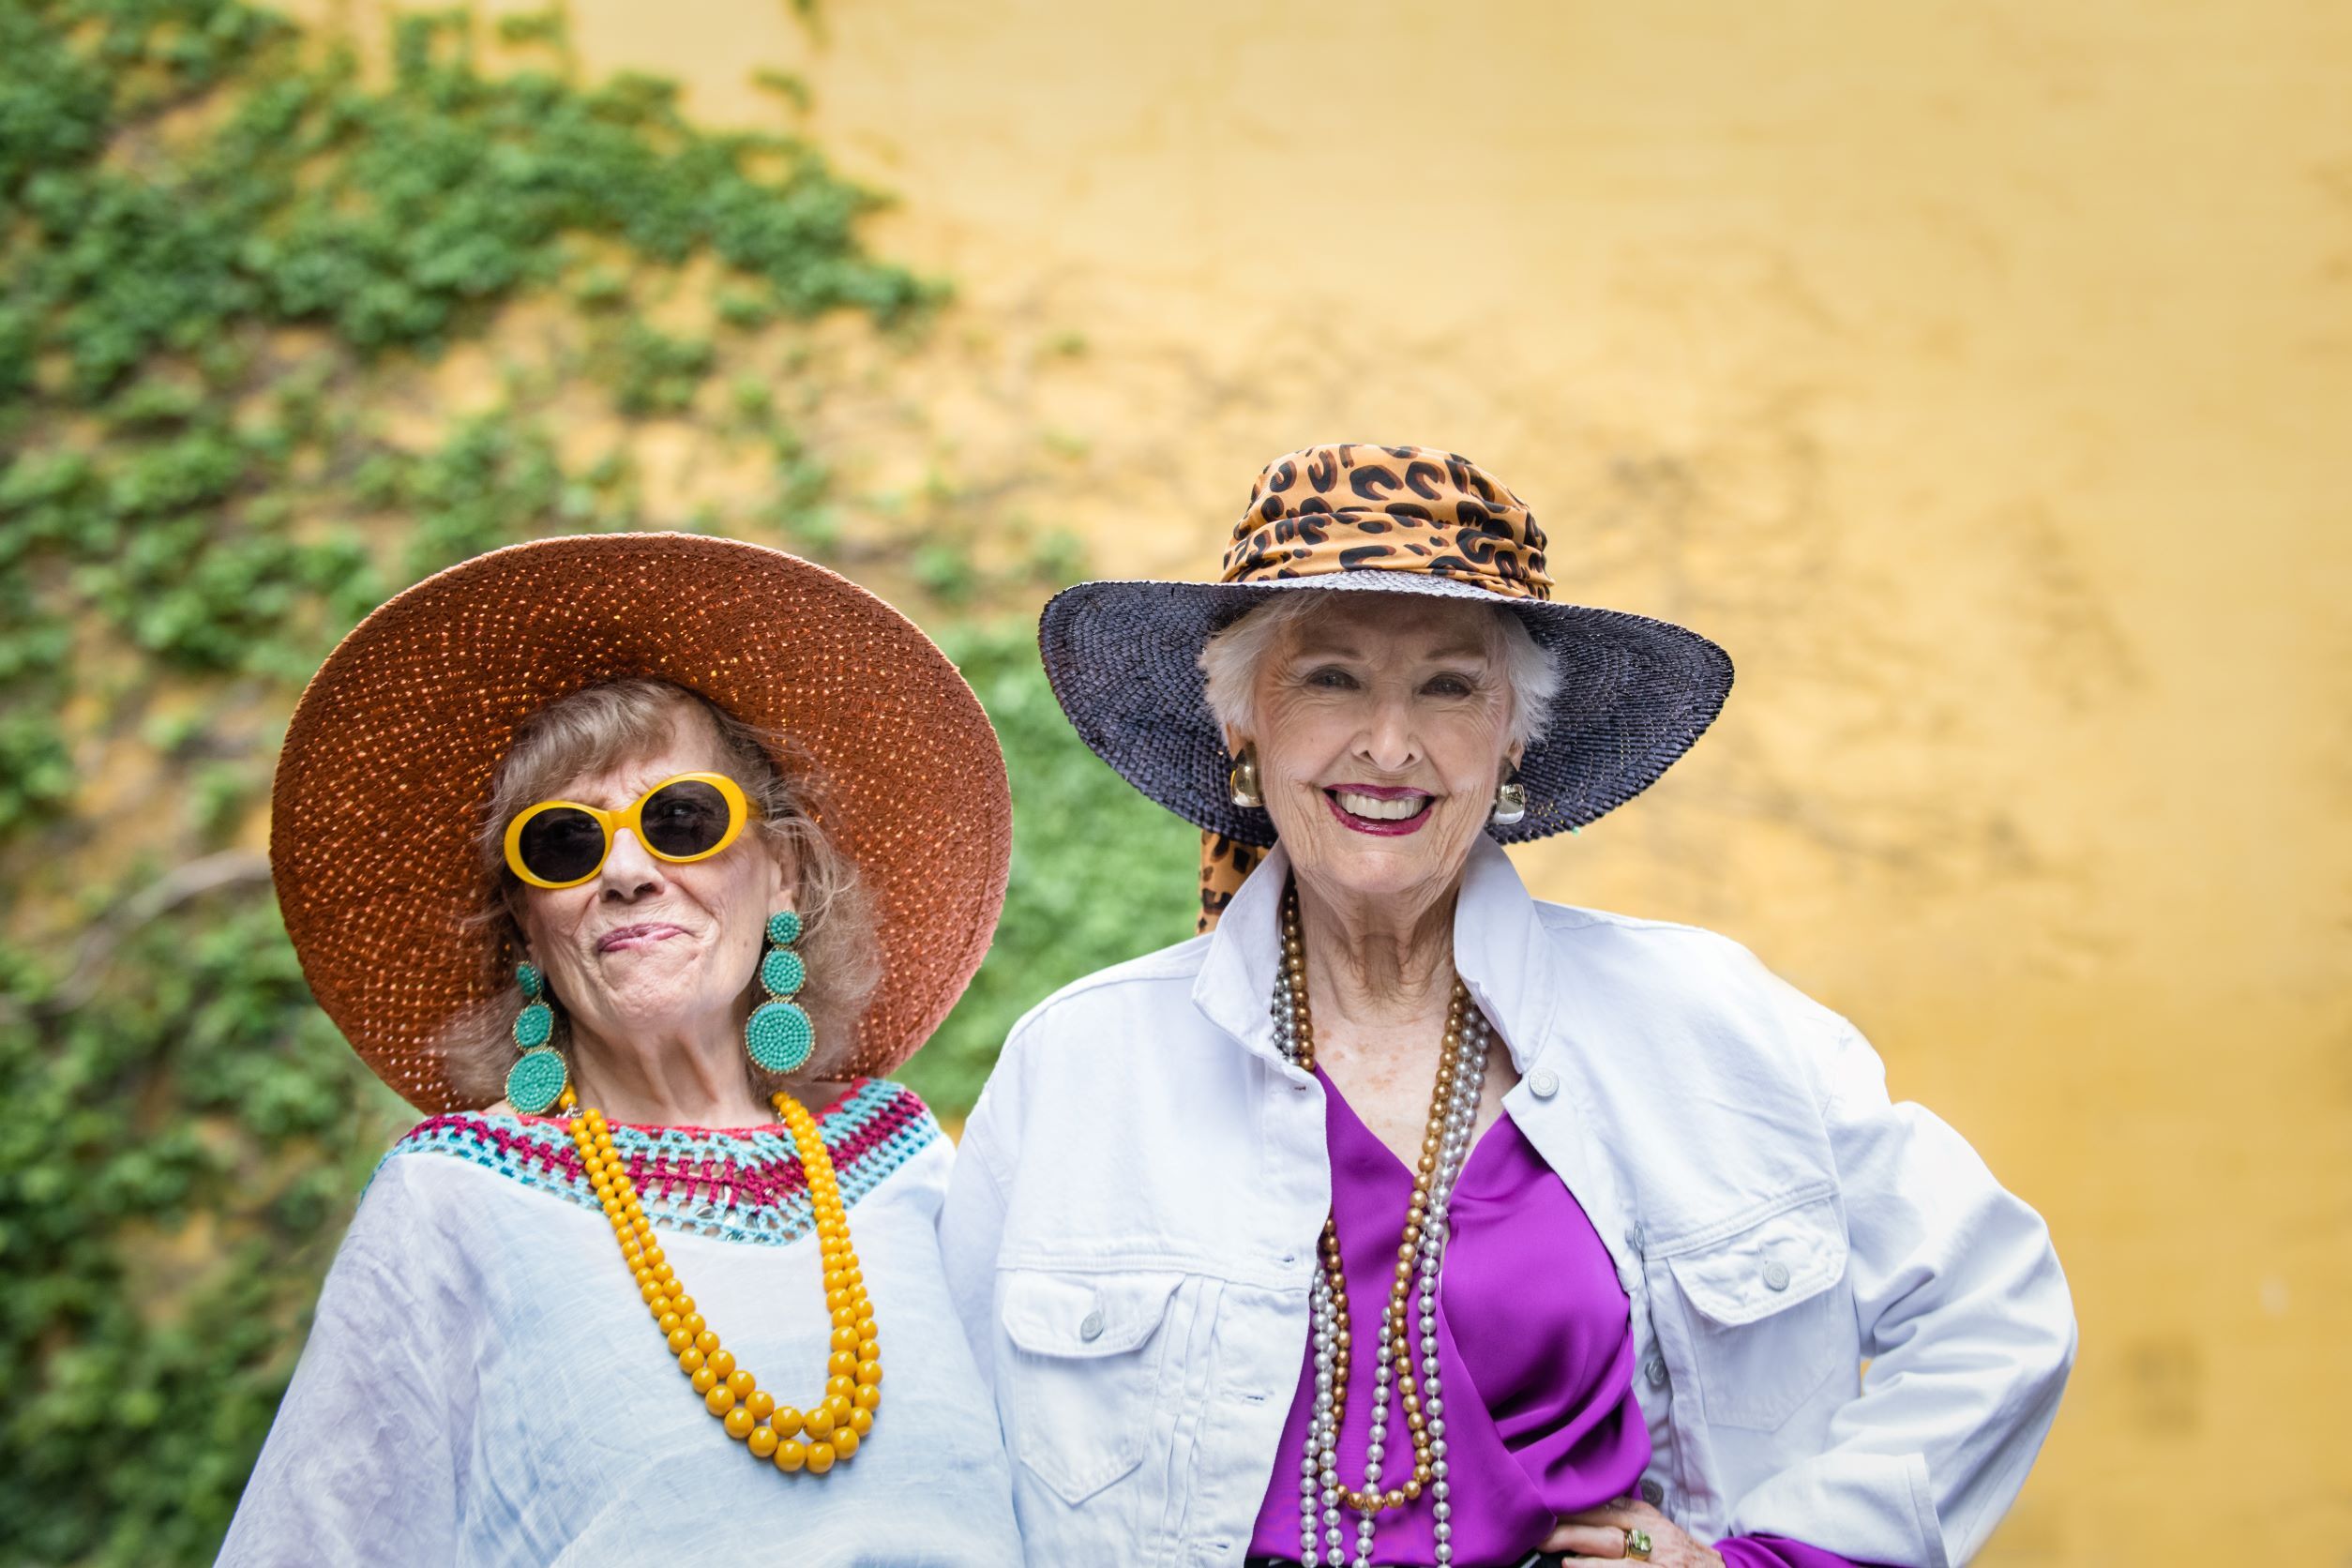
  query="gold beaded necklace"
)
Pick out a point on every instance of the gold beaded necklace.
point(845, 1414)
point(1395, 1316)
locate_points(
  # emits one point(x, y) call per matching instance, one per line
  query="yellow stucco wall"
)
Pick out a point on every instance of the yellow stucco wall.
point(1980, 375)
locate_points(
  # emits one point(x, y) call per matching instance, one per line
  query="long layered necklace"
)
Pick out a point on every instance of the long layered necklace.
point(1324, 1500)
point(842, 1416)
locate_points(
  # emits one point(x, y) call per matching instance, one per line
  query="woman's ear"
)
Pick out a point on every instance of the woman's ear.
point(510, 899)
point(786, 893)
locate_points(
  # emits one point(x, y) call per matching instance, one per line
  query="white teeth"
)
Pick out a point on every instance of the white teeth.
point(1381, 810)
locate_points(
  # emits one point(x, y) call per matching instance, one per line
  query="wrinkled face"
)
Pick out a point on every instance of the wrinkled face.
point(648, 947)
point(1383, 727)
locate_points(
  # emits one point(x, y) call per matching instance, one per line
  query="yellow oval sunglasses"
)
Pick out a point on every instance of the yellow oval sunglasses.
point(561, 843)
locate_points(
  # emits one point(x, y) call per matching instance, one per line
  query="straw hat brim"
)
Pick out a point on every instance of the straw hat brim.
point(388, 762)
point(1124, 660)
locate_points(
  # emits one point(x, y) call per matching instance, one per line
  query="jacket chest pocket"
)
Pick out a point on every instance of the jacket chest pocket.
point(1767, 1325)
point(1087, 1352)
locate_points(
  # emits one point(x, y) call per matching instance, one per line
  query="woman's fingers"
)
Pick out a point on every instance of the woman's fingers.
point(1589, 1530)
point(1589, 1540)
point(1598, 1536)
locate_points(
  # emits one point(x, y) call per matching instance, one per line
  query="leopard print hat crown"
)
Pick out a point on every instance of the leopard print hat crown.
point(1123, 657)
point(1387, 508)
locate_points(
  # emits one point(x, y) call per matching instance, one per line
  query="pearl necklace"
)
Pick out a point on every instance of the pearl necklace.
point(1452, 1118)
point(842, 1417)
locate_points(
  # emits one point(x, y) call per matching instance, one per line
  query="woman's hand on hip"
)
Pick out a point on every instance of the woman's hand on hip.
point(1598, 1536)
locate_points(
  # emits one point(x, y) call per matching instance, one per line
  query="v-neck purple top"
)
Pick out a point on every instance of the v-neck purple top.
point(1534, 1349)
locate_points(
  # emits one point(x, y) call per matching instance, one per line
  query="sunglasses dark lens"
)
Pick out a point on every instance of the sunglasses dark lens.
point(684, 818)
point(561, 845)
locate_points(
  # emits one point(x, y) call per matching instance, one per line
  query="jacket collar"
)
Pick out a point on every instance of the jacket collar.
point(1498, 951)
point(1502, 953)
point(1235, 987)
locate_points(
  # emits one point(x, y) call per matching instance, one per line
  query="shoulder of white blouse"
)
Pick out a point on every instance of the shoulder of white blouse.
point(409, 1212)
point(409, 1186)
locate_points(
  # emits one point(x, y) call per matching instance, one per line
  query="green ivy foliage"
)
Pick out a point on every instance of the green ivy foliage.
point(221, 241)
point(180, 1154)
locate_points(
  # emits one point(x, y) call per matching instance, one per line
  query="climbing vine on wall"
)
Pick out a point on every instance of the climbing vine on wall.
point(232, 263)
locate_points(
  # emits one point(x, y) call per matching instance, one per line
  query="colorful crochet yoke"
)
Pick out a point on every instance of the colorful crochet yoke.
point(736, 1185)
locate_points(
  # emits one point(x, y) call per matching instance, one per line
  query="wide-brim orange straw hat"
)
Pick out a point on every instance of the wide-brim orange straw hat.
point(387, 765)
point(1123, 657)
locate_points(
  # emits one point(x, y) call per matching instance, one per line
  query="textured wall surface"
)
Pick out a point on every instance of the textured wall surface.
point(1978, 375)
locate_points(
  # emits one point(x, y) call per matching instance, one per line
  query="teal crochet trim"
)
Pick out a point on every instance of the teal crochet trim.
point(731, 1186)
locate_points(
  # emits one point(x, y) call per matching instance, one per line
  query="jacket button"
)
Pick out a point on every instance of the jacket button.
point(1651, 1493)
point(1543, 1084)
point(1776, 1276)
point(1090, 1326)
point(1654, 1369)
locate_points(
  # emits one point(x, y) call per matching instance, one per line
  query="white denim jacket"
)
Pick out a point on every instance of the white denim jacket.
point(1131, 1226)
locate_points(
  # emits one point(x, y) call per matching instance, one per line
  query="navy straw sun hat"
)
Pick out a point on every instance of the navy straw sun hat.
point(1123, 657)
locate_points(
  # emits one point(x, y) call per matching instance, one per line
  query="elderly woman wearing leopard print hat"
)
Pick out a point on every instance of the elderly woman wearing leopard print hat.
point(1407, 1219)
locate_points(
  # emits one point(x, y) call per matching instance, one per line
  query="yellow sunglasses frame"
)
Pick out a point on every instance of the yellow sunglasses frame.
point(738, 813)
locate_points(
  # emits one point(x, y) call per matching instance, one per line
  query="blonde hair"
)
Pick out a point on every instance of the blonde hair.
point(1230, 659)
point(600, 727)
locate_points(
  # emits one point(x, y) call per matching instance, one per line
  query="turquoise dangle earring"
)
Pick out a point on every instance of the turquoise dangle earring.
point(779, 1034)
point(536, 1079)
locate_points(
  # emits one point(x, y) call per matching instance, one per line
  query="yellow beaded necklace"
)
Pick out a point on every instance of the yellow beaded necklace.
point(836, 1423)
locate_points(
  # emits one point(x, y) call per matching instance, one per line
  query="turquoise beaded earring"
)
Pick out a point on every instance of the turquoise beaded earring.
point(536, 1079)
point(779, 1034)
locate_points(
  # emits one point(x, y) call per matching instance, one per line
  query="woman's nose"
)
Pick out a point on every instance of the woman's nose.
point(1388, 738)
point(628, 871)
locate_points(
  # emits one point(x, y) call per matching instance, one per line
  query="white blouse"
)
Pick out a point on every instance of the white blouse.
point(483, 1385)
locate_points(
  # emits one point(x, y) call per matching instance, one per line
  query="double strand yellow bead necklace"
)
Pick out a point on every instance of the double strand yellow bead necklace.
point(838, 1422)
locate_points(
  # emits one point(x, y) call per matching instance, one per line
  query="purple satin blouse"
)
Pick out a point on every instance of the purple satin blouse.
point(1534, 1349)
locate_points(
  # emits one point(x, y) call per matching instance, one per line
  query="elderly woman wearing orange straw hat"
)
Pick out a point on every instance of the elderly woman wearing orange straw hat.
point(626, 859)
point(1406, 1219)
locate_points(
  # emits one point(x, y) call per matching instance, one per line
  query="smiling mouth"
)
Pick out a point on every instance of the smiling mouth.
point(1379, 810)
point(626, 938)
